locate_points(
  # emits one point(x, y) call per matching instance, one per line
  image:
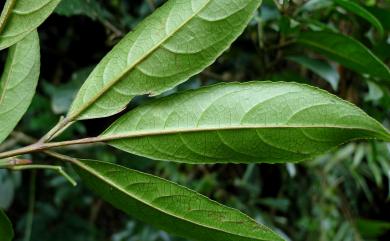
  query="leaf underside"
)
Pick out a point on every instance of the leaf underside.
point(169, 206)
point(347, 52)
point(6, 231)
point(242, 123)
point(23, 17)
point(18, 82)
point(177, 41)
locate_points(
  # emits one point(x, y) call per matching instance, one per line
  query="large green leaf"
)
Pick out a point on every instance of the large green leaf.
point(242, 122)
point(20, 17)
point(18, 82)
point(347, 51)
point(6, 231)
point(169, 206)
point(177, 41)
point(355, 8)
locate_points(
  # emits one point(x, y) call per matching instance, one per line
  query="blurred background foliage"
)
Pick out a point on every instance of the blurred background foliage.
point(342, 195)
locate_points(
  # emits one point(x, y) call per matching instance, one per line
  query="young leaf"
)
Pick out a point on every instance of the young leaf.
point(176, 42)
point(362, 12)
point(168, 206)
point(347, 51)
point(242, 123)
point(20, 17)
point(18, 82)
point(321, 68)
point(6, 231)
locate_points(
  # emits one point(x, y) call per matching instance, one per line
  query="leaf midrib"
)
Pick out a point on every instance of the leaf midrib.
point(7, 11)
point(119, 188)
point(110, 137)
point(86, 105)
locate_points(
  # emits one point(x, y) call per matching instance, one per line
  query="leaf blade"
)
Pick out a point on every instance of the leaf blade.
point(169, 206)
point(363, 13)
point(18, 82)
point(177, 41)
point(19, 18)
point(242, 123)
point(6, 230)
point(346, 51)
point(321, 68)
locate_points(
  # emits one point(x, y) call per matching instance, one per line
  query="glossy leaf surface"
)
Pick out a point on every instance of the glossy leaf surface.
point(347, 51)
point(177, 41)
point(242, 123)
point(20, 17)
point(18, 82)
point(6, 231)
point(169, 206)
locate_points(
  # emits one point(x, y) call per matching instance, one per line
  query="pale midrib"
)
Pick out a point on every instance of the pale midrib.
point(6, 13)
point(87, 104)
point(110, 137)
point(119, 188)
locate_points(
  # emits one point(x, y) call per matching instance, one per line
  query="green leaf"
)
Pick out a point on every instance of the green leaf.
point(6, 231)
point(242, 123)
point(355, 8)
point(347, 51)
point(91, 8)
point(168, 206)
point(321, 68)
point(18, 82)
point(176, 42)
point(20, 17)
point(382, 14)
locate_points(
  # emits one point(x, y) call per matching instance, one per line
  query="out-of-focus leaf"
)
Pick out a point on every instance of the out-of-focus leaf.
point(314, 5)
point(355, 8)
point(9, 181)
point(383, 15)
point(347, 51)
point(372, 228)
point(169, 206)
point(242, 123)
point(91, 8)
point(63, 95)
point(321, 68)
point(20, 17)
point(6, 231)
point(18, 82)
point(375, 92)
point(177, 41)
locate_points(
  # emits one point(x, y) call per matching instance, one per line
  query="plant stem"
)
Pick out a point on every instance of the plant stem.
point(62, 124)
point(58, 169)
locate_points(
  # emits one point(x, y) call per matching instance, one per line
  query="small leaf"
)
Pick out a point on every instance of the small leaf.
point(6, 231)
point(347, 51)
point(20, 17)
point(176, 42)
point(242, 123)
point(168, 206)
point(18, 82)
point(321, 68)
point(355, 8)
